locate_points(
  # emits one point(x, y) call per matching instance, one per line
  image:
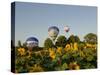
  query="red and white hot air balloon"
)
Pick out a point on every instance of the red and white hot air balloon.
point(66, 29)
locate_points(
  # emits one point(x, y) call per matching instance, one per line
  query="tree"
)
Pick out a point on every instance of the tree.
point(61, 41)
point(24, 45)
point(48, 43)
point(19, 44)
point(73, 39)
point(90, 38)
point(77, 39)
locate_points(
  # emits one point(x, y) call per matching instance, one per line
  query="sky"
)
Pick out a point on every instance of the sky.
point(34, 19)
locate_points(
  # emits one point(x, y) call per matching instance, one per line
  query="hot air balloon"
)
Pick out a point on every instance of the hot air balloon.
point(66, 29)
point(32, 42)
point(53, 32)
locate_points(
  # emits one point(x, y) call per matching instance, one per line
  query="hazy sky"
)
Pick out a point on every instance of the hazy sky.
point(33, 19)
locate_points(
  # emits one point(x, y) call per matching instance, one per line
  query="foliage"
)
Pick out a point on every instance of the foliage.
point(55, 59)
point(48, 43)
point(91, 38)
point(73, 39)
point(61, 41)
point(19, 43)
point(74, 56)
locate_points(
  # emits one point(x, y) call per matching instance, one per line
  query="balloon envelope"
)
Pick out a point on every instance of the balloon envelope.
point(66, 29)
point(32, 42)
point(53, 32)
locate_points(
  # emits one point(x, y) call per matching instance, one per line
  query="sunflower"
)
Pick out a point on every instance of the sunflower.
point(68, 47)
point(59, 50)
point(75, 46)
point(21, 51)
point(74, 66)
point(52, 53)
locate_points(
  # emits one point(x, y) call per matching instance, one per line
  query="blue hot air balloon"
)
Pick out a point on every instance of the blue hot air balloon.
point(53, 32)
point(32, 42)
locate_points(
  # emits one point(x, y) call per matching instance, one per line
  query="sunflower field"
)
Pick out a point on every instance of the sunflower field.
point(74, 56)
point(55, 59)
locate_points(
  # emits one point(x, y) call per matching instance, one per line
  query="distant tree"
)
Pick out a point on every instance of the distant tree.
point(61, 41)
point(19, 44)
point(73, 39)
point(77, 39)
point(48, 43)
point(24, 45)
point(90, 38)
